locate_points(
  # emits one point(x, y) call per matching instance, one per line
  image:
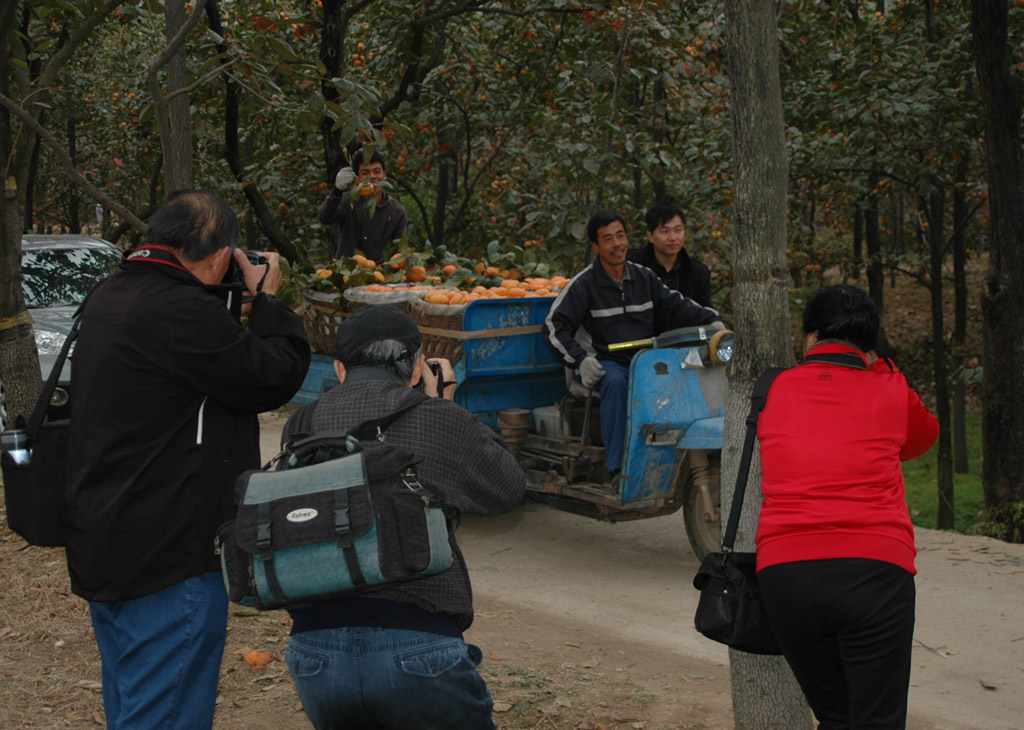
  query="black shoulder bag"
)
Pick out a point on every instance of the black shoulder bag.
point(34, 462)
point(729, 610)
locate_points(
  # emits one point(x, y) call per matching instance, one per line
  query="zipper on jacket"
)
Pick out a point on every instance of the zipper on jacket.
point(199, 423)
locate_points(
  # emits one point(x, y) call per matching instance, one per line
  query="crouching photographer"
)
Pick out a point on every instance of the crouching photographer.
point(396, 658)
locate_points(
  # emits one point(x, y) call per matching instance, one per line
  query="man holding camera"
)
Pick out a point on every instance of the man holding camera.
point(395, 658)
point(166, 387)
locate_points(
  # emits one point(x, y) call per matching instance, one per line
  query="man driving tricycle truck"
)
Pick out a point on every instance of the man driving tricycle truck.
point(669, 354)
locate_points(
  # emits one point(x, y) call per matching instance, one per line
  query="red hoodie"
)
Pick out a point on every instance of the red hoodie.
point(832, 439)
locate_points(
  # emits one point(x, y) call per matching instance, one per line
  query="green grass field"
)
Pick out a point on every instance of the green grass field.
point(922, 489)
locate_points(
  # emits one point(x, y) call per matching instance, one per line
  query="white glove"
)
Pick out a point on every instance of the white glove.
point(345, 177)
point(591, 371)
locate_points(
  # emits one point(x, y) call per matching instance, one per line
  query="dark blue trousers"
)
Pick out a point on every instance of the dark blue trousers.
point(846, 628)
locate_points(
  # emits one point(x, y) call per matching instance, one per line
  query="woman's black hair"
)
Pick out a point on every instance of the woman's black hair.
point(843, 312)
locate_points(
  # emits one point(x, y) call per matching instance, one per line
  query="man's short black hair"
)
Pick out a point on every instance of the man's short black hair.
point(195, 223)
point(660, 214)
point(601, 219)
point(360, 159)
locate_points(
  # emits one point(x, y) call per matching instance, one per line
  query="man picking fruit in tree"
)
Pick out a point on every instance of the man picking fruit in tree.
point(665, 254)
point(614, 300)
point(368, 219)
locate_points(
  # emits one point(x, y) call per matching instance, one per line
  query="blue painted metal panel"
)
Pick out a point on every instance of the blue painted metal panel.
point(319, 377)
point(507, 370)
point(666, 395)
point(704, 434)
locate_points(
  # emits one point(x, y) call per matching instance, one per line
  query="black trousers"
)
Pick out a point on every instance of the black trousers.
point(846, 628)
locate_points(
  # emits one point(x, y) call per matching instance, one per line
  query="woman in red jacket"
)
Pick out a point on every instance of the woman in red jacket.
point(835, 545)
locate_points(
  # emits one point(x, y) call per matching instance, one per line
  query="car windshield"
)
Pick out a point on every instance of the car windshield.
point(54, 277)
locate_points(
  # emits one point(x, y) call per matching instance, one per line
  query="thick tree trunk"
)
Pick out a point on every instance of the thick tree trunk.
point(178, 147)
point(19, 363)
point(765, 694)
point(1002, 305)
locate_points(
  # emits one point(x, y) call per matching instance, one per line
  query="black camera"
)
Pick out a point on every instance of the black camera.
point(235, 272)
point(435, 368)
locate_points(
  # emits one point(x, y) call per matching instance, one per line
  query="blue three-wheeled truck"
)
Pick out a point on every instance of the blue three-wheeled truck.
point(509, 378)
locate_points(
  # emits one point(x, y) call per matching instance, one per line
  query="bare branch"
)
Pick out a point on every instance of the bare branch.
point(69, 167)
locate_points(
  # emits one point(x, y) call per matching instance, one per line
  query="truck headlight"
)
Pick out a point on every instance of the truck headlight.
point(720, 347)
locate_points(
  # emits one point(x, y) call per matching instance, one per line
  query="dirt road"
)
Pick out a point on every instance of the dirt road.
point(561, 589)
point(584, 625)
point(628, 585)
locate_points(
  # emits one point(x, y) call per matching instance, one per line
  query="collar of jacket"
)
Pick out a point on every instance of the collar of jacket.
point(682, 264)
point(605, 279)
point(161, 259)
point(359, 374)
point(836, 348)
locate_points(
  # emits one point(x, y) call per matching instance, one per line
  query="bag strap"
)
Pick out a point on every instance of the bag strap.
point(757, 399)
point(35, 421)
point(365, 431)
point(375, 428)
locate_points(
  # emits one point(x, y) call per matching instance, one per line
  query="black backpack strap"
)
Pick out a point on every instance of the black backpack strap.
point(757, 399)
point(374, 429)
point(370, 430)
point(35, 421)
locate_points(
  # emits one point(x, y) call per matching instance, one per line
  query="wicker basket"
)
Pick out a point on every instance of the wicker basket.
point(358, 297)
point(321, 314)
point(434, 320)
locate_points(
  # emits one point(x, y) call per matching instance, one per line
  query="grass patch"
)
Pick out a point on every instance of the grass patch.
point(920, 477)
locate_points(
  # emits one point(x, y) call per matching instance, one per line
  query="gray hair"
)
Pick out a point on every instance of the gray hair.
point(390, 355)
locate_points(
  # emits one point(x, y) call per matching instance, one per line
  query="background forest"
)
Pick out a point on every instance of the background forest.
point(505, 123)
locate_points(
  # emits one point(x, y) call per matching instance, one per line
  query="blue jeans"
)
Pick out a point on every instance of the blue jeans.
point(363, 678)
point(161, 655)
point(614, 389)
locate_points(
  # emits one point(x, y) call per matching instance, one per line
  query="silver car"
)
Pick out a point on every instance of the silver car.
point(57, 271)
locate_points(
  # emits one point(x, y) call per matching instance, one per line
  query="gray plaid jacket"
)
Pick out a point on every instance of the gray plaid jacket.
point(464, 462)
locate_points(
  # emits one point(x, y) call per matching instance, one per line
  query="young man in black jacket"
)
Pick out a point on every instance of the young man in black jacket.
point(166, 388)
point(665, 254)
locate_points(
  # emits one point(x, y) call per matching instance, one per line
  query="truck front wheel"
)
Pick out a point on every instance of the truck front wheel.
point(703, 527)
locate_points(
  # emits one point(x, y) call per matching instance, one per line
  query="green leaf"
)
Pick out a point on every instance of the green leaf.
point(283, 49)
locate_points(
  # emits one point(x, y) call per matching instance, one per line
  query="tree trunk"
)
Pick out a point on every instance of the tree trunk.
point(873, 240)
point(232, 154)
point(959, 353)
point(19, 363)
point(1002, 305)
point(332, 39)
point(933, 209)
point(177, 147)
point(765, 694)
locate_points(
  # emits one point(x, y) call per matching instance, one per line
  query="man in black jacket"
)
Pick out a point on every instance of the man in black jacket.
point(665, 254)
point(166, 388)
point(362, 228)
point(614, 300)
point(395, 657)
